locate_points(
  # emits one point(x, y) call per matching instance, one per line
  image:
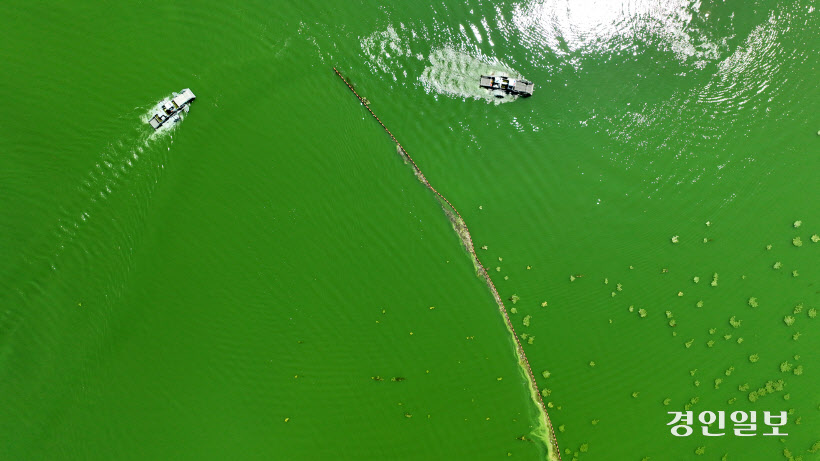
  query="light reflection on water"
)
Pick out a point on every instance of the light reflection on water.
point(619, 69)
point(566, 28)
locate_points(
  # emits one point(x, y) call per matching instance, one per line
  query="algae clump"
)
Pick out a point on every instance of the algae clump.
point(788, 320)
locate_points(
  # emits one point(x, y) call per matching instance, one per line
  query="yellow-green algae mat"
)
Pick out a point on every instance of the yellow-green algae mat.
point(544, 430)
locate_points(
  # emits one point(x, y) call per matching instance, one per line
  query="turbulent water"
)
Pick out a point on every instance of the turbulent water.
point(268, 280)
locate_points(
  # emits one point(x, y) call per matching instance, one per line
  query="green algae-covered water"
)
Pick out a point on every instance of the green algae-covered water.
point(268, 280)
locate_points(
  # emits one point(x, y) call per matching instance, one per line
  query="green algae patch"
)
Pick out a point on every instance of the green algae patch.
point(788, 320)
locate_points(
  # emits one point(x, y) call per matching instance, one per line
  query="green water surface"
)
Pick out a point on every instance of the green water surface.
point(231, 288)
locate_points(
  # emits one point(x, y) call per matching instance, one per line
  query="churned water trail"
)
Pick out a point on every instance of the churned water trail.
point(88, 230)
point(123, 162)
point(544, 431)
point(447, 68)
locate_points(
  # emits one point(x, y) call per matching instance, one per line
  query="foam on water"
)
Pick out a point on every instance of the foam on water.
point(166, 127)
point(455, 73)
point(450, 69)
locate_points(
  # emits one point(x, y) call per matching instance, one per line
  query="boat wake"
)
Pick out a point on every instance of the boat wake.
point(455, 73)
point(453, 70)
point(135, 162)
point(95, 234)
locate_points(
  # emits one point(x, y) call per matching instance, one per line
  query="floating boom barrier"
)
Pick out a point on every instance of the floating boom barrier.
point(460, 226)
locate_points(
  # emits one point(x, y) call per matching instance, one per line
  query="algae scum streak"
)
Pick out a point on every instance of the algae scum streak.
point(544, 430)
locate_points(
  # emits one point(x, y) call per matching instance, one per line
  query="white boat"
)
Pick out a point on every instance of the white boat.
point(172, 109)
point(502, 85)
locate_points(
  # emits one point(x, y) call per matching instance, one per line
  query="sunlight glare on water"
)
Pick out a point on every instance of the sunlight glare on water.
point(593, 26)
